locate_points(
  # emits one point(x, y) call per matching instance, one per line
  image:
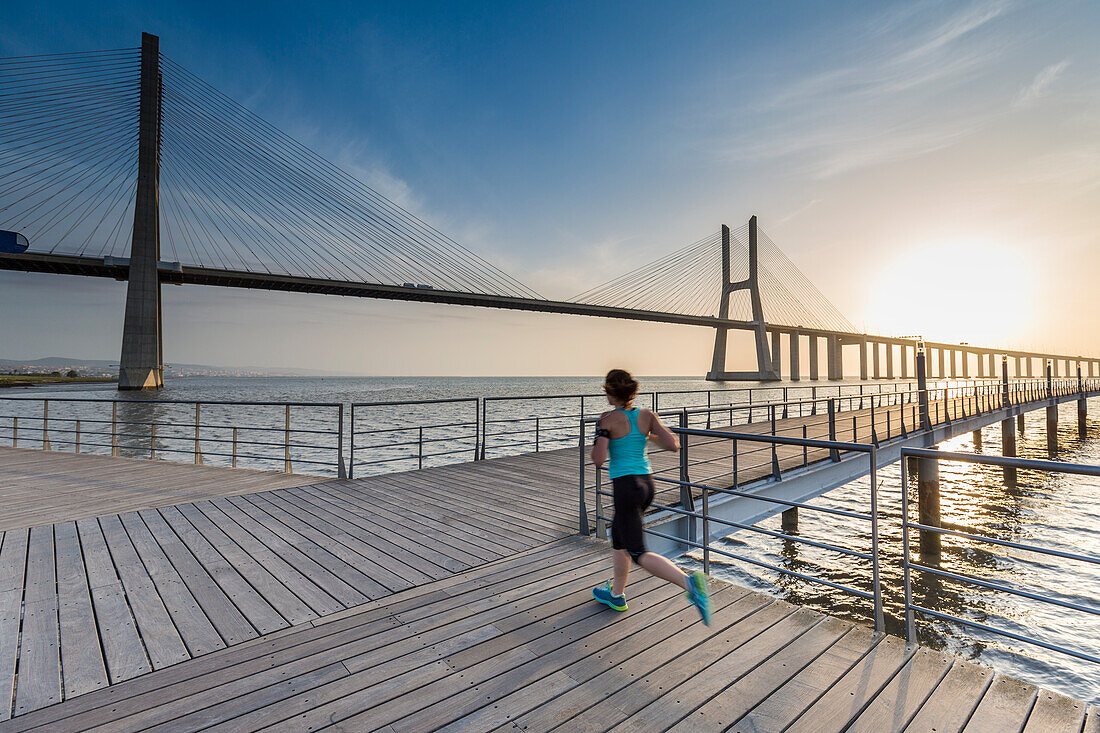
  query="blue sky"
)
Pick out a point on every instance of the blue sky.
point(893, 150)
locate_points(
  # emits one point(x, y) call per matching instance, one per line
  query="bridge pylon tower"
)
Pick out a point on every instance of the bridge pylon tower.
point(766, 367)
point(141, 365)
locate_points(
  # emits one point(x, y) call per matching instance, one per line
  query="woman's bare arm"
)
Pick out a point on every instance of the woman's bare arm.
point(660, 434)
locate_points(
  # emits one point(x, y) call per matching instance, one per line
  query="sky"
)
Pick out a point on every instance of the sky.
point(933, 167)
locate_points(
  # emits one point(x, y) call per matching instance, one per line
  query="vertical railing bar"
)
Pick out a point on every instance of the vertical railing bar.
point(286, 443)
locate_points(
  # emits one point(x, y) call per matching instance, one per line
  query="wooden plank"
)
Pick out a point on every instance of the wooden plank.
point(953, 701)
point(1092, 722)
point(785, 704)
point(845, 699)
point(289, 606)
point(293, 548)
point(13, 562)
point(1055, 713)
point(82, 665)
point(39, 681)
point(316, 598)
point(899, 701)
point(730, 704)
point(196, 630)
point(124, 653)
point(252, 606)
point(1004, 707)
point(223, 614)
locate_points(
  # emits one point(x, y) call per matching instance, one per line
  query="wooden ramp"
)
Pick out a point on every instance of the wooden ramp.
point(518, 644)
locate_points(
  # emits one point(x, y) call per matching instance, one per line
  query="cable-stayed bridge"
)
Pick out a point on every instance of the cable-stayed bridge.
point(122, 164)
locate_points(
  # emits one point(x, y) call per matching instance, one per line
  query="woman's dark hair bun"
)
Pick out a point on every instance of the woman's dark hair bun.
point(620, 385)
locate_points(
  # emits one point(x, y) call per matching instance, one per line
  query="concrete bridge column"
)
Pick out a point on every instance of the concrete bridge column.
point(981, 366)
point(795, 375)
point(992, 365)
point(978, 439)
point(1091, 365)
point(777, 352)
point(832, 356)
point(790, 520)
point(814, 361)
point(1030, 374)
point(1018, 372)
point(904, 361)
point(863, 360)
point(889, 361)
point(877, 369)
point(954, 361)
point(941, 373)
point(141, 365)
point(965, 364)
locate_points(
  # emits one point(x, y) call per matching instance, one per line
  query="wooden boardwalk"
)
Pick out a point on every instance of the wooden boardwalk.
point(454, 597)
point(518, 644)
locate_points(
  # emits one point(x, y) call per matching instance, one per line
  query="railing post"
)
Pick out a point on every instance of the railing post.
point(601, 524)
point(198, 450)
point(834, 454)
point(784, 404)
point(15, 432)
point(45, 425)
point(485, 428)
point(420, 447)
point(114, 427)
point(76, 449)
point(341, 472)
point(922, 390)
point(286, 443)
point(537, 433)
point(880, 621)
point(234, 447)
point(910, 636)
point(706, 532)
point(152, 441)
point(582, 506)
point(687, 501)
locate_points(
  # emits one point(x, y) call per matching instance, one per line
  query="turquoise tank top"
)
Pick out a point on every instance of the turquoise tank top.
point(627, 454)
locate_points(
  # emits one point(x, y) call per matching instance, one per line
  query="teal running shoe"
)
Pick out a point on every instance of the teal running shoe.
point(698, 594)
point(603, 594)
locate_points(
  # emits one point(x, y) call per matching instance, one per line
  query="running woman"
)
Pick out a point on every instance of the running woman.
point(622, 435)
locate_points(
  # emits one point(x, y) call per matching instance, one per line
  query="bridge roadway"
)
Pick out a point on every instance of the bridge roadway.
point(448, 598)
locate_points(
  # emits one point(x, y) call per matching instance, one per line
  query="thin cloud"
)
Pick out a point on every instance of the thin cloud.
point(1040, 85)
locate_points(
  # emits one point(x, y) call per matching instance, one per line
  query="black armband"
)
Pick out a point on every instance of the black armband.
point(602, 433)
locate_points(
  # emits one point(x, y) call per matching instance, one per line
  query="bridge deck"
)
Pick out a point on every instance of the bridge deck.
point(330, 598)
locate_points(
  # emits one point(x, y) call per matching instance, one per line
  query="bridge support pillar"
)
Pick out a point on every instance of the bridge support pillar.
point(1020, 424)
point(978, 439)
point(965, 364)
point(928, 503)
point(1082, 417)
point(790, 520)
point(863, 360)
point(940, 374)
point(766, 369)
point(992, 365)
point(1018, 365)
point(904, 361)
point(1008, 449)
point(833, 357)
point(815, 364)
point(1030, 374)
point(889, 361)
point(795, 370)
point(777, 352)
point(141, 365)
point(876, 367)
point(1052, 430)
point(981, 366)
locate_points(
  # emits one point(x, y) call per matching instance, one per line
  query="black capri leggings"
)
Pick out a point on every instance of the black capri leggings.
point(633, 495)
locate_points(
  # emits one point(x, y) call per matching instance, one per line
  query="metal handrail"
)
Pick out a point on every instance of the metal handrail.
point(908, 565)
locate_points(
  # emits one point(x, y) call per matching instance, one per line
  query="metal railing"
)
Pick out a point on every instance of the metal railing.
point(263, 435)
point(703, 524)
point(413, 434)
point(909, 566)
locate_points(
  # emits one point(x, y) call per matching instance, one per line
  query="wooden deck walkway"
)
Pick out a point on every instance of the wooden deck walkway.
point(451, 597)
point(518, 644)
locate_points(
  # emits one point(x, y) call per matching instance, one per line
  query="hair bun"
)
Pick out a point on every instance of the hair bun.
point(620, 385)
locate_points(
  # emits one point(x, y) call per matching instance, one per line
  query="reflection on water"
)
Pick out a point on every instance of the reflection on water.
point(1057, 512)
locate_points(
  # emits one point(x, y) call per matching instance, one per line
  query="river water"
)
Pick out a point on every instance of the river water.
point(1053, 511)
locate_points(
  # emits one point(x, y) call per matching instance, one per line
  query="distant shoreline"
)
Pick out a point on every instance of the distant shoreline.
point(31, 380)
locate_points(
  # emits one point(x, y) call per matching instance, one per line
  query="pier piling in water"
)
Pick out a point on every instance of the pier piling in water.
point(1020, 424)
point(790, 520)
point(978, 439)
point(1082, 417)
point(1008, 449)
point(928, 505)
point(1052, 430)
